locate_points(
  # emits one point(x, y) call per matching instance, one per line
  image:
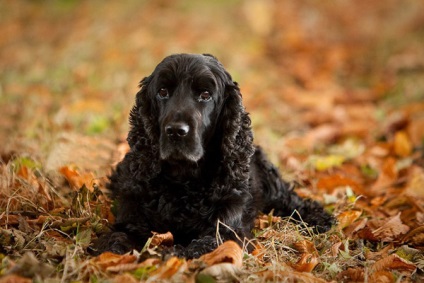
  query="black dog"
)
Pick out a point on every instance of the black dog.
point(192, 163)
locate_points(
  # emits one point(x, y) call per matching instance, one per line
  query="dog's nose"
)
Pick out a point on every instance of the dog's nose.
point(177, 129)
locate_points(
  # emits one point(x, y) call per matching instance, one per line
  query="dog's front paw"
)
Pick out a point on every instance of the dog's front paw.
point(317, 217)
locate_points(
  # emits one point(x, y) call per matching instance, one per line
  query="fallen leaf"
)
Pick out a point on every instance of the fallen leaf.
point(402, 144)
point(29, 266)
point(382, 277)
point(391, 262)
point(346, 218)
point(415, 131)
point(415, 237)
point(335, 249)
point(331, 182)
point(127, 278)
point(76, 179)
point(415, 185)
point(388, 175)
point(121, 268)
point(351, 275)
point(12, 278)
point(322, 163)
point(288, 276)
point(166, 239)
point(391, 229)
point(221, 272)
point(309, 257)
point(108, 259)
point(355, 227)
point(170, 268)
point(229, 252)
point(379, 254)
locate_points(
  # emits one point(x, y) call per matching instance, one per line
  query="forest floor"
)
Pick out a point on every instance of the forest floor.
point(335, 90)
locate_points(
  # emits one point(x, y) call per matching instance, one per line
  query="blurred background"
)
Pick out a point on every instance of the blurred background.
point(310, 71)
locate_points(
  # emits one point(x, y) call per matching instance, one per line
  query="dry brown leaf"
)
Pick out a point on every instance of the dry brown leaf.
point(8, 219)
point(171, 267)
point(415, 131)
point(222, 272)
point(166, 239)
point(366, 233)
point(309, 257)
point(377, 255)
point(229, 252)
point(388, 175)
point(122, 267)
point(355, 227)
point(29, 266)
point(391, 262)
point(402, 144)
point(259, 251)
point(351, 275)
point(127, 278)
point(382, 277)
point(346, 218)
point(12, 278)
point(332, 182)
point(391, 229)
point(335, 249)
point(415, 237)
point(108, 259)
point(288, 276)
point(420, 218)
point(76, 179)
point(415, 186)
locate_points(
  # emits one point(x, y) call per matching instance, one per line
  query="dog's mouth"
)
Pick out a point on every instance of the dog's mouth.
point(180, 150)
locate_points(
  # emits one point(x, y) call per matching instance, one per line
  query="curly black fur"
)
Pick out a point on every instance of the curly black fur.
point(212, 172)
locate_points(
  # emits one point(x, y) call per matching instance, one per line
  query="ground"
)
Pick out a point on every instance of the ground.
point(336, 95)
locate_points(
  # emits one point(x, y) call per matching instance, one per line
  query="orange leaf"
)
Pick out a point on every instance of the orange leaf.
point(76, 179)
point(335, 249)
point(352, 275)
point(288, 276)
point(391, 229)
point(416, 236)
point(346, 218)
point(108, 259)
point(308, 258)
point(387, 176)
point(229, 251)
point(382, 277)
point(12, 278)
point(127, 278)
point(330, 183)
point(166, 239)
point(402, 144)
point(393, 261)
point(171, 267)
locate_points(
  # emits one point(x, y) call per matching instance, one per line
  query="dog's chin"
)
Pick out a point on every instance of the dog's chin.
point(177, 155)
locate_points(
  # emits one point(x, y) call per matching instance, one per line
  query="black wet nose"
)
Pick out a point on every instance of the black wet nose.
point(177, 129)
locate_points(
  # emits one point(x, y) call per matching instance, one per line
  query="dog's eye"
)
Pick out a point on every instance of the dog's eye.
point(163, 93)
point(205, 96)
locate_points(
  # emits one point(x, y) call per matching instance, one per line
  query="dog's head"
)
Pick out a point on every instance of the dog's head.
point(185, 103)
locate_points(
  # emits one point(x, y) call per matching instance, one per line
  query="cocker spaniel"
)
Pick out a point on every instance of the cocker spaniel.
point(192, 163)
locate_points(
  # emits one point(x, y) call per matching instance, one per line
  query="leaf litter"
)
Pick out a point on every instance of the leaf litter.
point(340, 109)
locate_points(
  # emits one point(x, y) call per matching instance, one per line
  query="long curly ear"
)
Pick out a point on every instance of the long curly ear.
point(237, 141)
point(143, 121)
point(143, 136)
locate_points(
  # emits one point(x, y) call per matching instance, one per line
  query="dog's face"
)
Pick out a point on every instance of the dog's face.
point(188, 93)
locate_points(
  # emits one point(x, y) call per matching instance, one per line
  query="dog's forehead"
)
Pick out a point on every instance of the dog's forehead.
point(189, 65)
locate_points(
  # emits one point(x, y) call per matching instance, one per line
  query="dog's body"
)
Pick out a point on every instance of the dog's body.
point(192, 164)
